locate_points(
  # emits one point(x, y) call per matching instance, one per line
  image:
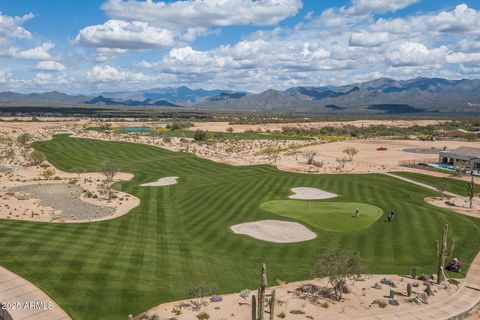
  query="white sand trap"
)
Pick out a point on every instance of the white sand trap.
point(275, 231)
point(167, 181)
point(304, 193)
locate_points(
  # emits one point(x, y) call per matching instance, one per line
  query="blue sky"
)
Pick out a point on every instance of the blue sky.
point(96, 45)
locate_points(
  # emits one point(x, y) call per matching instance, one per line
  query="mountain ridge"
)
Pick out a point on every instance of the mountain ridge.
point(382, 95)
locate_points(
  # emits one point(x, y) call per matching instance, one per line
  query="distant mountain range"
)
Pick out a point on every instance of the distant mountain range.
point(382, 95)
point(181, 96)
point(101, 100)
point(53, 97)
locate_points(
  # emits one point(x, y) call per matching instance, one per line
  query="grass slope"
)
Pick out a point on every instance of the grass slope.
point(454, 185)
point(329, 216)
point(180, 234)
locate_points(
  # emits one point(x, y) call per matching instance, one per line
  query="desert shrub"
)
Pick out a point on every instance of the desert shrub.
point(309, 156)
point(24, 138)
point(88, 194)
point(199, 291)
point(57, 178)
point(203, 316)
point(423, 277)
point(318, 164)
point(281, 315)
point(176, 311)
point(325, 305)
point(200, 135)
point(36, 157)
point(381, 303)
point(47, 173)
point(230, 129)
point(178, 125)
point(296, 311)
point(167, 139)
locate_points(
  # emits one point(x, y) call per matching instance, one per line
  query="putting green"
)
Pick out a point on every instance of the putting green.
point(329, 216)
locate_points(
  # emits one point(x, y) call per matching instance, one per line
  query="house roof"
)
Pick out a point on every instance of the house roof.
point(466, 152)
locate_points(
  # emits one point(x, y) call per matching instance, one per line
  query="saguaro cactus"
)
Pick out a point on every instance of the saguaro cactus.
point(254, 307)
point(409, 289)
point(261, 295)
point(414, 273)
point(429, 290)
point(443, 251)
point(272, 305)
point(471, 192)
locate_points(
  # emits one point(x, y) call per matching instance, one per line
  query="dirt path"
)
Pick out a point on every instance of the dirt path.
point(420, 184)
point(22, 300)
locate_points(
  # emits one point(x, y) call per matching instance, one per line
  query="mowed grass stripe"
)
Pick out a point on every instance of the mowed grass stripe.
point(151, 255)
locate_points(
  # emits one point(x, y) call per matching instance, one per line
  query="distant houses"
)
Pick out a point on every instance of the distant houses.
point(467, 158)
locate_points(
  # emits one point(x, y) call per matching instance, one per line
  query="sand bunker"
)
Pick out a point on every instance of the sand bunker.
point(303, 193)
point(161, 182)
point(275, 231)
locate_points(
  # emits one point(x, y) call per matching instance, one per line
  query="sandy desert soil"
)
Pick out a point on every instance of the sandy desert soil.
point(293, 304)
point(368, 159)
point(25, 195)
point(304, 193)
point(275, 231)
point(223, 126)
point(461, 205)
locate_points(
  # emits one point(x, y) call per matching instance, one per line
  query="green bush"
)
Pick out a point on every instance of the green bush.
point(200, 135)
point(203, 316)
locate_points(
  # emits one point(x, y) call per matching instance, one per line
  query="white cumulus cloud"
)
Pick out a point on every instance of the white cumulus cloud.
point(367, 39)
point(38, 53)
point(11, 27)
point(125, 35)
point(415, 54)
point(4, 76)
point(49, 65)
point(110, 74)
point(203, 13)
point(379, 6)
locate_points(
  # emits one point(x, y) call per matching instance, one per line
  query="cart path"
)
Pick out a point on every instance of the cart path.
point(19, 296)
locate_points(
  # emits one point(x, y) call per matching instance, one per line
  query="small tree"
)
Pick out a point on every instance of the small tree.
point(338, 266)
point(309, 156)
point(461, 165)
point(200, 135)
point(37, 157)
point(350, 152)
point(24, 138)
point(442, 187)
point(109, 169)
point(471, 192)
point(198, 292)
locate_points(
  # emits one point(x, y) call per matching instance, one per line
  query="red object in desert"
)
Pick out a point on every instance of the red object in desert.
point(382, 149)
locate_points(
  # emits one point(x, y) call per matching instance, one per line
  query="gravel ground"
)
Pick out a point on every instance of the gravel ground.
point(423, 150)
point(64, 197)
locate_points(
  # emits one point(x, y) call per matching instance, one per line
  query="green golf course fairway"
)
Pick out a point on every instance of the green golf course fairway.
point(179, 234)
point(328, 216)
